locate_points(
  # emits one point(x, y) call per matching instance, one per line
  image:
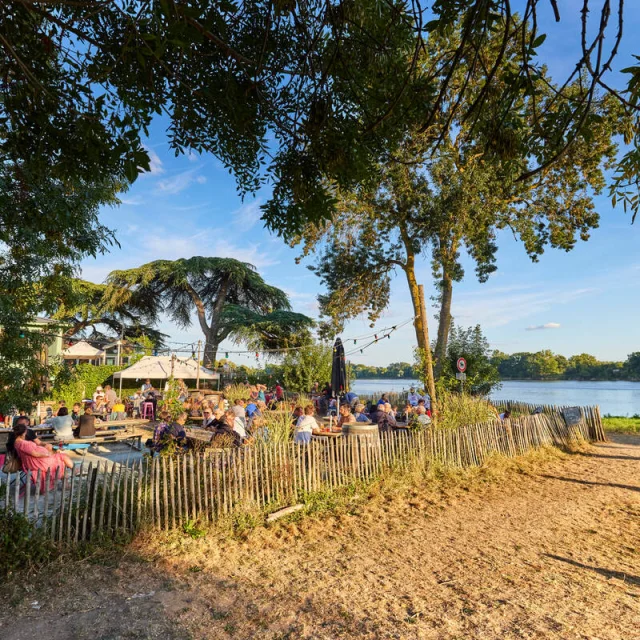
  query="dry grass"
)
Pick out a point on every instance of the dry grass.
point(542, 546)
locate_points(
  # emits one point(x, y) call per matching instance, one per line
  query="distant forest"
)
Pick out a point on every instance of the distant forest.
point(542, 365)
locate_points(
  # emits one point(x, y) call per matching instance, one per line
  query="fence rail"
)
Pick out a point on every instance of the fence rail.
point(165, 492)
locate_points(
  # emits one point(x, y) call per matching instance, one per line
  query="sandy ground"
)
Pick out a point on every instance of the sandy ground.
point(553, 553)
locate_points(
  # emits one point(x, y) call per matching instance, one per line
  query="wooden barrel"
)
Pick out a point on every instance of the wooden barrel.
point(362, 430)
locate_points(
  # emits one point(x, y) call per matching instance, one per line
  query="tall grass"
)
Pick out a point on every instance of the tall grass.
point(236, 392)
point(456, 410)
point(276, 427)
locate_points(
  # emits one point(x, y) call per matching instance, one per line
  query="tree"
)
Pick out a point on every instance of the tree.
point(632, 366)
point(229, 297)
point(304, 367)
point(86, 306)
point(459, 196)
point(482, 373)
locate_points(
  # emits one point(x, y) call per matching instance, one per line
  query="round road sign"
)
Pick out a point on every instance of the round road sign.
point(462, 365)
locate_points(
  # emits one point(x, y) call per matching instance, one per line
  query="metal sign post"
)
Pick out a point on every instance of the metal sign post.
point(461, 375)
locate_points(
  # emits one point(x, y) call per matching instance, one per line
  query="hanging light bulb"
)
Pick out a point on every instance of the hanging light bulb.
point(361, 350)
point(355, 342)
point(376, 336)
point(389, 336)
point(226, 355)
point(193, 355)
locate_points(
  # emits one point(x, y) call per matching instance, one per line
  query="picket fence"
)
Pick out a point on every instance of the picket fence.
point(106, 498)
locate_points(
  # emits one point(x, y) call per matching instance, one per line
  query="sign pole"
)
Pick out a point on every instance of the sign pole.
point(198, 374)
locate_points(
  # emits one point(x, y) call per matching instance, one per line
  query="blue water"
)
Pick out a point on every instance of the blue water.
point(617, 398)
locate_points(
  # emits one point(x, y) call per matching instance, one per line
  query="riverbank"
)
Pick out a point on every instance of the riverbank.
point(544, 549)
point(618, 424)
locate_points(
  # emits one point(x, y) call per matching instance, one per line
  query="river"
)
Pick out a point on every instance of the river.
point(616, 398)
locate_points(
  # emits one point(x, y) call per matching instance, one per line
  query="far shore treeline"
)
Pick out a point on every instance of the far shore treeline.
point(541, 365)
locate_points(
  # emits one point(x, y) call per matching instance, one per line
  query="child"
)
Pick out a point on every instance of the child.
point(118, 411)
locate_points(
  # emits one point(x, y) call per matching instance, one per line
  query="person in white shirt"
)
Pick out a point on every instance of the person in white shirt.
point(413, 398)
point(237, 424)
point(305, 426)
point(99, 393)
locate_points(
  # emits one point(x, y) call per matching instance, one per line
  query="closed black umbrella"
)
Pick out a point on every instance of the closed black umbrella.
point(338, 370)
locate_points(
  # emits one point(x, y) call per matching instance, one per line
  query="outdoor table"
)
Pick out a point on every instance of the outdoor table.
point(44, 432)
point(327, 434)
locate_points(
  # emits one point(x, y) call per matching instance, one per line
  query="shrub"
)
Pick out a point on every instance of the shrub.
point(22, 546)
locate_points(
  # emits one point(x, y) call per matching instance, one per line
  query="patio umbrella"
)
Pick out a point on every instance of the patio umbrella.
point(338, 370)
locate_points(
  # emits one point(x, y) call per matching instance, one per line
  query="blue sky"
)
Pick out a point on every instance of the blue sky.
point(586, 300)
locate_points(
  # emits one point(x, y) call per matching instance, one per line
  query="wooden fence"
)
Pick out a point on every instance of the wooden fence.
point(590, 416)
point(165, 492)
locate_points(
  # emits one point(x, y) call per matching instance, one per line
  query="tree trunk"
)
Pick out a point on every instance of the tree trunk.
point(421, 327)
point(210, 350)
point(444, 324)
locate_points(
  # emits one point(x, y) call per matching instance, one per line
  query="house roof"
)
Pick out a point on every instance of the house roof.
point(82, 349)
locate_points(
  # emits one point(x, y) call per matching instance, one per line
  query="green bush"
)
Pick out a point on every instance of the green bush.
point(22, 546)
point(83, 380)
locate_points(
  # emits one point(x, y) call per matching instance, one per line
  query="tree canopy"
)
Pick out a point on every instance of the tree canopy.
point(85, 310)
point(229, 298)
point(459, 197)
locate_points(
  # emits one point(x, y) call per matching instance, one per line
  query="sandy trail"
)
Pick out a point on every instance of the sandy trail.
point(555, 554)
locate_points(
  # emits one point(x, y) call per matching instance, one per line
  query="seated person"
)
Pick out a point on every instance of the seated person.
point(346, 417)
point(208, 418)
point(385, 419)
point(118, 411)
point(253, 409)
point(235, 422)
point(383, 399)
point(359, 413)
point(35, 457)
point(86, 425)
point(423, 403)
point(298, 412)
point(63, 424)
point(421, 417)
point(351, 398)
point(168, 433)
point(305, 426)
point(76, 412)
point(224, 435)
point(238, 408)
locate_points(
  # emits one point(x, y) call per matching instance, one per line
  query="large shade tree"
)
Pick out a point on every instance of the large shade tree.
point(86, 310)
point(458, 198)
point(229, 298)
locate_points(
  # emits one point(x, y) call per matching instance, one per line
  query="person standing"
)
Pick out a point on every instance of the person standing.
point(413, 398)
point(279, 392)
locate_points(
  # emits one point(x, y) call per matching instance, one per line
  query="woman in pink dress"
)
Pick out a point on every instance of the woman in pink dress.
point(34, 456)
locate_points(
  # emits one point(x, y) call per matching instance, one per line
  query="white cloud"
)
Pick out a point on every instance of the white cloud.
point(539, 327)
point(132, 202)
point(192, 157)
point(248, 214)
point(180, 182)
point(155, 164)
point(496, 307)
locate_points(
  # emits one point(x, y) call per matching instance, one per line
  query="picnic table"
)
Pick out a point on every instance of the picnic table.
point(327, 434)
